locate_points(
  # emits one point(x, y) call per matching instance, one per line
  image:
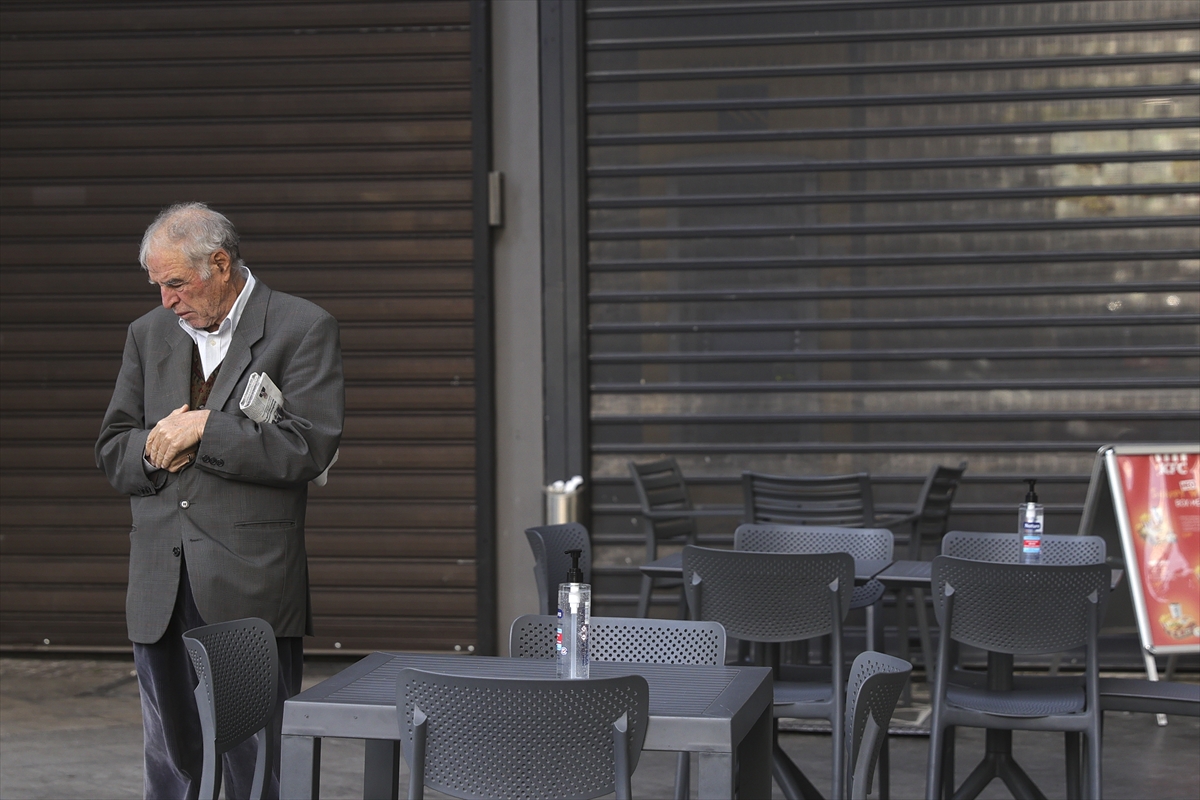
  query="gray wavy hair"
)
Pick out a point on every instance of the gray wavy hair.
point(197, 232)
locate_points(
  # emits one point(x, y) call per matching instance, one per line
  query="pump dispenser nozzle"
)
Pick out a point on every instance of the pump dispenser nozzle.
point(574, 574)
point(1031, 496)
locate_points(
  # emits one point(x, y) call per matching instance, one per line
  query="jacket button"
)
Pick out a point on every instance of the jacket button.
point(183, 504)
point(175, 551)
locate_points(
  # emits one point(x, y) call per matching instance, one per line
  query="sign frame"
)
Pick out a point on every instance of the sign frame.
point(1106, 460)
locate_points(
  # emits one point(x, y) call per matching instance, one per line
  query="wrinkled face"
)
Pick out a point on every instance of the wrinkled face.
point(203, 304)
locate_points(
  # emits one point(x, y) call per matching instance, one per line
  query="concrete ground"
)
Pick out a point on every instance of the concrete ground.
point(71, 728)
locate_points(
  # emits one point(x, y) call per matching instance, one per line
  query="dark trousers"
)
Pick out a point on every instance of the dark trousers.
point(174, 744)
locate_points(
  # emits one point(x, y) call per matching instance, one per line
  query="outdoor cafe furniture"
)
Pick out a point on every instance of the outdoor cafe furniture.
point(722, 713)
point(630, 639)
point(771, 598)
point(663, 494)
point(237, 673)
point(924, 529)
point(864, 545)
point(549, 544)
point(875, 684)
point(1007, 610)
point(842, 500)
point(473, 737)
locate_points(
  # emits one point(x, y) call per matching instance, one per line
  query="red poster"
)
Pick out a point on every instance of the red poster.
point(1163, 507)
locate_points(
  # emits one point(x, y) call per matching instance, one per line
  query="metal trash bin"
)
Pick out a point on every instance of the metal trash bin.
point(562, 501)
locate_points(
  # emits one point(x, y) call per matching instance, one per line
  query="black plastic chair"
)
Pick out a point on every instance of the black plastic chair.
point(499, 738)
point(630, 640)
point(930, 519)
point(237, 666)
point(842, 500)
point(663, 493)
point(860, 543)
point(626, 639)
point(1016, 609)
point(782, 597)
point(1005, 548)
point(549, 544)
point(875, 685)
point(922, 537)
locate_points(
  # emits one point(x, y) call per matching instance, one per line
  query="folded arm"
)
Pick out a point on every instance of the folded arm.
point(301, 444)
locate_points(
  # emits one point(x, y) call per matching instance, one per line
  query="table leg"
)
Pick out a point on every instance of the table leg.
point(300, 768)
point(902, 595)
point(716, 776)
point(754, 759)
point(928, 655)
point(381, 770)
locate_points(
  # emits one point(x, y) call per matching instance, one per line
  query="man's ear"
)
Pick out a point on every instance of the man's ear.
point(220, 263)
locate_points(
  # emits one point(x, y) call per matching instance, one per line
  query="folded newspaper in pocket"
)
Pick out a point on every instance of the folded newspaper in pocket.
point(261, 402)
point(262, 399)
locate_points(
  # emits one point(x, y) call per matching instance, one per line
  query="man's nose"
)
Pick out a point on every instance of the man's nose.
point(169, 296)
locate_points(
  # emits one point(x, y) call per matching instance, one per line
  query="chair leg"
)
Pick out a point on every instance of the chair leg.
point(883, 770)
point(643, 609)
point(933, 772)
point(210, 778)
point(1094, 745)
point(262, 763)
point(683, 604)
point(948, 762)
point(1071, 744)
point(792, 782)
point(683, 775)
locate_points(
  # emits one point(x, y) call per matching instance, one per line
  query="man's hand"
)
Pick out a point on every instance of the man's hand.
point(176, 435)
point(183, 459)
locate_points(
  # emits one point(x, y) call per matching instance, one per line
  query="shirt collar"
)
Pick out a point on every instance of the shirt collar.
point(230, 323)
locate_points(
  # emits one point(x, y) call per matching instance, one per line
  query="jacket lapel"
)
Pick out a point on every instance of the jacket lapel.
point(237, 358)
point(174, 366)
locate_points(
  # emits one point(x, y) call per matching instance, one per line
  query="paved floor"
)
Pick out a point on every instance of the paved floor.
point(71, 728)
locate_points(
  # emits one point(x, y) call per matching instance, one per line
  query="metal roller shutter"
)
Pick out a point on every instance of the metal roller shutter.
point(338, 137)
point(828, 237)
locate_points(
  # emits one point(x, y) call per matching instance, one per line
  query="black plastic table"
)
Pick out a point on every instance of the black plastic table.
point(721, 713)
point(672, 567)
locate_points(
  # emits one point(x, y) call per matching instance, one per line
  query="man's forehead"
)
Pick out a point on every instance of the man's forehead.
point(166, 263)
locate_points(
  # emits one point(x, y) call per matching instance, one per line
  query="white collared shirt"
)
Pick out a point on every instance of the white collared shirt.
point(213, 346)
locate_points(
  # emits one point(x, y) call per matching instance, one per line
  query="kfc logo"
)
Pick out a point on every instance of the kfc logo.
point(1173, 464)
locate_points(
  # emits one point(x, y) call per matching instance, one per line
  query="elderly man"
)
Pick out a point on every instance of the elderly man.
point(218, 500)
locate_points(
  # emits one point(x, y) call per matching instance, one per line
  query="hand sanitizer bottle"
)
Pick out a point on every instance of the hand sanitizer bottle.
point(1030, 519)
point(574, 614)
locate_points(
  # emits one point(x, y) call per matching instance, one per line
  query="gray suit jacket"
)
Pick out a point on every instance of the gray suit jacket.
point(237, 514)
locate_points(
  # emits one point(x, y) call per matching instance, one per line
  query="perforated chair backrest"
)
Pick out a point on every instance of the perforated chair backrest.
point(863, 543)
point(842, 500)
point(626, 639)
point(237, 665)
point(661, 489)
point(876, 681)
point(933, 506)
point(1017, 608)
point(1005, 548)
point(768, 597)
point(499, 738)
point(550, 561)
